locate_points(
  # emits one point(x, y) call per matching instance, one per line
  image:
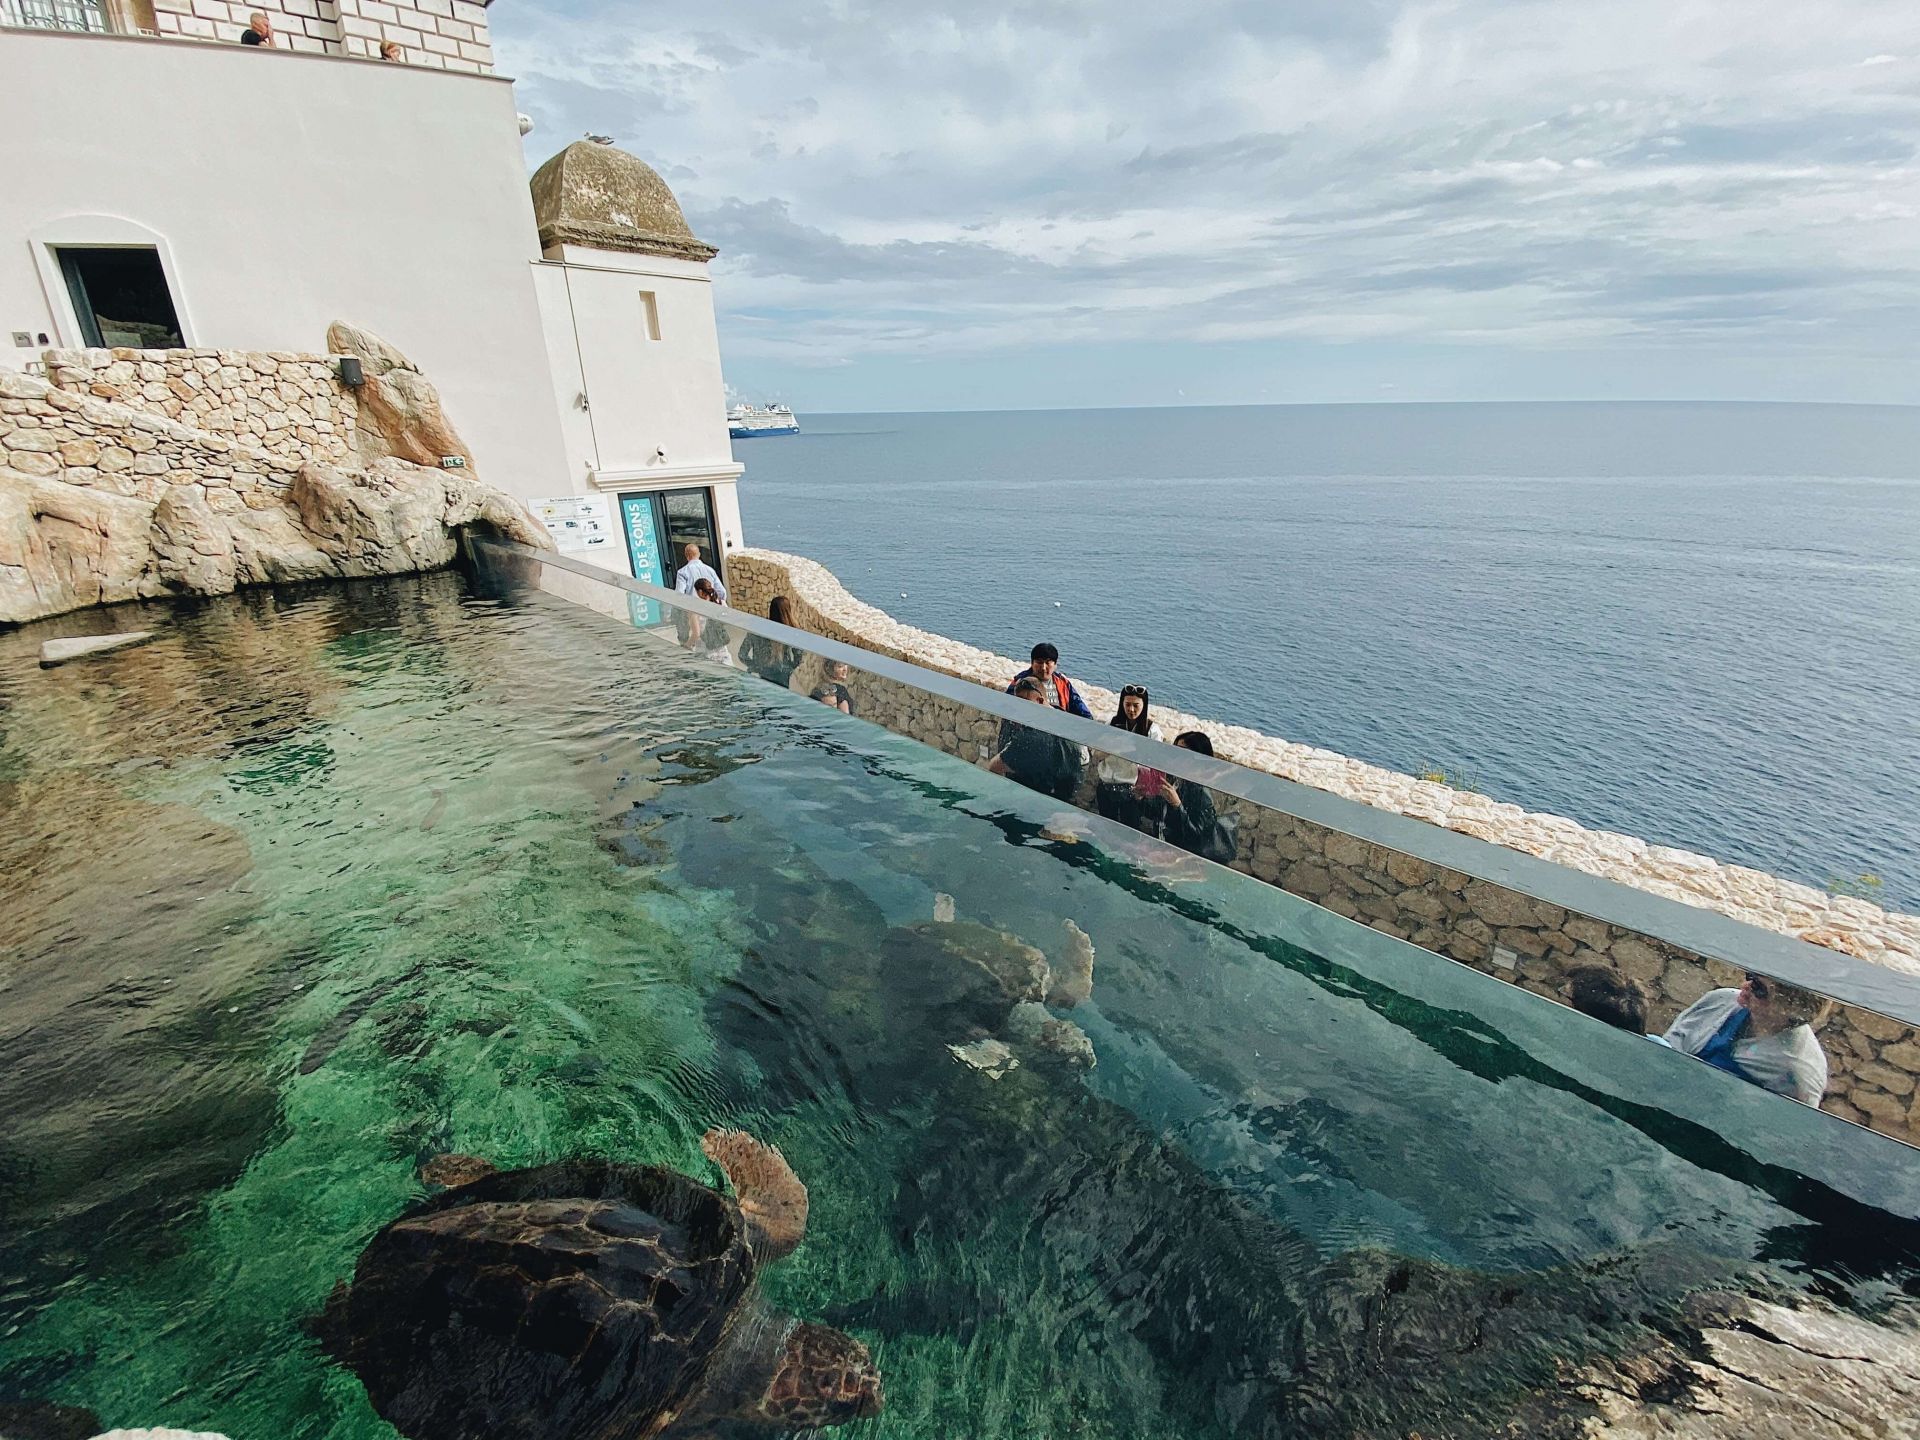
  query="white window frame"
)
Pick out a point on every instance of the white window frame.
point(100, 232)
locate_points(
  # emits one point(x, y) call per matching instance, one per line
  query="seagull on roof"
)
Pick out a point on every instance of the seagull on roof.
point(600, 139)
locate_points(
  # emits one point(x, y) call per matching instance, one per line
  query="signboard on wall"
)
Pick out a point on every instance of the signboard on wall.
point(579, 524)
point(643, 550)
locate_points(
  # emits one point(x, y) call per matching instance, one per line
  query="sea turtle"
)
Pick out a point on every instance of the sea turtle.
point(594, 1299)
point(973, 983)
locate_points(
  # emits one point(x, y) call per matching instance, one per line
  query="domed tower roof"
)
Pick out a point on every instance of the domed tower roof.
point(594, 195)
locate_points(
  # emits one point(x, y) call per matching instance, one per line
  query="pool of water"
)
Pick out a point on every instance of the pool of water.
point(321, 884)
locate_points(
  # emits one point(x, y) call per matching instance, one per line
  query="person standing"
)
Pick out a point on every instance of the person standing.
point(1058, 690)
point(693, 570)
point(770, 659)
point(1117, 789)
point(1762, 1032)
point(259, 30)
point(710, 637)
point(1037, 759)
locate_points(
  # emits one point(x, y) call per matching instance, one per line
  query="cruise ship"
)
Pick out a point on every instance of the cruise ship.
point(747, 420)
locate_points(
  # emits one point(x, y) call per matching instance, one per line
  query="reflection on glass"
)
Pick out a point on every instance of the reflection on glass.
point(1177, 823)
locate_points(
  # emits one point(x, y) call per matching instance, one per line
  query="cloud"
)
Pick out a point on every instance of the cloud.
point(1728, 178)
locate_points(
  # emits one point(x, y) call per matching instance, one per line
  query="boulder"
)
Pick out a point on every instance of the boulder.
point(64, 547)
point(400, 414)
point(379, 521)
point(192, 547)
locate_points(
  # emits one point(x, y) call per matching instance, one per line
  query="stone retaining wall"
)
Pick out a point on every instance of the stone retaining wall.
point(1874, 1062)
point(279, 402)
point(104, 497)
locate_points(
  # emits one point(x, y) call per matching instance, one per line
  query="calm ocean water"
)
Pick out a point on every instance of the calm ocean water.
point(1699, 624)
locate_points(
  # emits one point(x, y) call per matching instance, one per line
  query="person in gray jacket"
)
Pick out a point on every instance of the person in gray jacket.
point(1762, 1032)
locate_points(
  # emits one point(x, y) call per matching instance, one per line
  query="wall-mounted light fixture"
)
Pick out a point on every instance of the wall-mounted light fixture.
point(351, 375)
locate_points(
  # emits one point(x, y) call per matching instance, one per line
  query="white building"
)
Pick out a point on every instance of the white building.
point(190, 191)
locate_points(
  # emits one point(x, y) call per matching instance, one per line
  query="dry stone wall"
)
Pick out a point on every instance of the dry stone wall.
point(284, 404)
point(1874, 1062)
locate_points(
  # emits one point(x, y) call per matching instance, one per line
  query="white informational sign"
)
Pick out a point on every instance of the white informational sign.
point(579, 523)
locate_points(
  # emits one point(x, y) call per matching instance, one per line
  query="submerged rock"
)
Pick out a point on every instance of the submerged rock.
point(990, 1057)
point(1757, 1371)
point(59, 652)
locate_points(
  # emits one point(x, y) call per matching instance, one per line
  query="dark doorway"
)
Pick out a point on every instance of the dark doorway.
point(689, 520)
point(120, 295)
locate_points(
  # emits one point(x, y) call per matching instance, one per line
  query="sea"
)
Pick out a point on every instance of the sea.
point(1694, 623)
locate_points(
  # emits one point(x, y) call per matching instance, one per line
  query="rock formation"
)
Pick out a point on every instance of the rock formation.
point(400, 413)
point(102, 501)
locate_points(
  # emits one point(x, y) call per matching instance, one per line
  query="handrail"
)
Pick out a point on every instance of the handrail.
point(1708, 933)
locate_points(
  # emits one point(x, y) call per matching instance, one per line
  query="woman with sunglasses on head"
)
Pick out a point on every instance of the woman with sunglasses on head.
point(1118, 792)
point(1761, 1032)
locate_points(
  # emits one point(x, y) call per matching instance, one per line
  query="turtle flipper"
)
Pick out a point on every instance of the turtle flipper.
point(772, 1200)
point(1072, 981)
point(451, 1171)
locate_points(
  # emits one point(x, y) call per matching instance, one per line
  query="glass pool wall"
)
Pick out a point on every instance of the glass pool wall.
point(322, 883)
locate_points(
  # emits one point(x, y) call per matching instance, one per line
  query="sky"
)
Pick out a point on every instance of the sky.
point(981, 204)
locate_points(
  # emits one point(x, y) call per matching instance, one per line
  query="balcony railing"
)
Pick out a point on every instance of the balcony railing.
point(82, 15)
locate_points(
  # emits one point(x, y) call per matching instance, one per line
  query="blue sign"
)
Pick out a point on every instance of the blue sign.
point(643, 550)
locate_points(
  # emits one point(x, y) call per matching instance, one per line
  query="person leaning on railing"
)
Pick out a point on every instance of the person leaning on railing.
point(1122, 787)
point(259, 30)
point(770, 659)
point(1762, 1032)
point(1038, 759)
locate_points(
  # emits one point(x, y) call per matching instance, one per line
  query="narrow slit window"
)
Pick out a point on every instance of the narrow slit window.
point(650, 314)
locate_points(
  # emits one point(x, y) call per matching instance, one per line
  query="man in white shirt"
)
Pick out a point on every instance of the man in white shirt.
point(693, 570)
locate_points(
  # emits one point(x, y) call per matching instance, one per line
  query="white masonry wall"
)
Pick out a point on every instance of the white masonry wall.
point(309, 25)
point(440, 34)
point(435, 34)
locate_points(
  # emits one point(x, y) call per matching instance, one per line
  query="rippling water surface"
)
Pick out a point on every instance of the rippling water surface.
point(1698, 624)
point(321, 884)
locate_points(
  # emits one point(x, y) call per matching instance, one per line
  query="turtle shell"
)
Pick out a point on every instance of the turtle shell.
point(578, 1301)
point(961, 973)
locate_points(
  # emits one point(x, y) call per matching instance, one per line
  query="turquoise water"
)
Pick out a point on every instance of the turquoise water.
point(321, 884)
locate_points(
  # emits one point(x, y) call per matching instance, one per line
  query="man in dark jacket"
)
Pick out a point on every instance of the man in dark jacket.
point(1057, 690)
point(1038, 760)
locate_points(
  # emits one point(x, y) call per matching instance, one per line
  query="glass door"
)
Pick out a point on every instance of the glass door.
point(687, 517)
point(659, 525)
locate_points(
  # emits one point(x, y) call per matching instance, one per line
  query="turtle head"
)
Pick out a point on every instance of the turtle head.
point(822, 1377)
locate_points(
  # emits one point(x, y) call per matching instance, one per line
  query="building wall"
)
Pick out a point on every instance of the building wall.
point(440, 34)
point(312, 26)
point(654, 411)
point(289, 191)
point(1874, 1062)
point(646, 395)
point(435, 34)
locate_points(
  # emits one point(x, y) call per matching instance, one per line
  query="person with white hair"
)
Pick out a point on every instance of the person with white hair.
point(259, 30)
